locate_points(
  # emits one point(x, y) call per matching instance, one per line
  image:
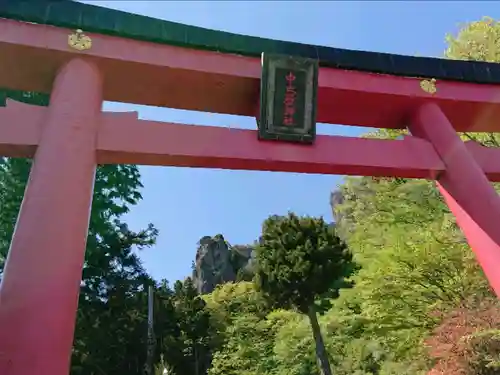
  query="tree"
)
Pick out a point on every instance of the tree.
point(230, 300)
point(301, 264)
point(13, 176)
point(189, 348)
point(248, 349)
point(244, 338)
point(294, 350)
point(417, 264)
point(110, 335)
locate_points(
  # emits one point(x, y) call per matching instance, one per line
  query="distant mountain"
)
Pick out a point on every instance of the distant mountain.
point(217, 262)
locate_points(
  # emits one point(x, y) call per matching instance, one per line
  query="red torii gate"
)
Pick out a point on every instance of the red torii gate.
point(67, 139)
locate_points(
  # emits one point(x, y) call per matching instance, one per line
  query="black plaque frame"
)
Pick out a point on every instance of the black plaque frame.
point(268, 129)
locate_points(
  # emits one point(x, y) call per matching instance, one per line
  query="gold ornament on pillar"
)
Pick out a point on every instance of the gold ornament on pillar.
point(429, 85)
point(79, 41)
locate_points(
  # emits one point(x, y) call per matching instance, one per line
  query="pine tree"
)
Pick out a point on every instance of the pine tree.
point(301, 264)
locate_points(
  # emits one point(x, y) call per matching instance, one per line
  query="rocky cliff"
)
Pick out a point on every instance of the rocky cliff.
point(218, 262)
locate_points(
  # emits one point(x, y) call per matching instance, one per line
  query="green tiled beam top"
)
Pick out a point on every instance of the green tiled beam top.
point(90, 18)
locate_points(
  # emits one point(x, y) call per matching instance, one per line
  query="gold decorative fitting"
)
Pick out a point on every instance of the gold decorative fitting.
point(79, 41)
point(428, 85)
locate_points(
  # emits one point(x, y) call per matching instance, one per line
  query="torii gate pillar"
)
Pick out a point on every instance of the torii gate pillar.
point(39, 291)
point(465, 188)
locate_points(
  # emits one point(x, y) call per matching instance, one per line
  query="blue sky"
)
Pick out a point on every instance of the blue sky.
point(186, 204)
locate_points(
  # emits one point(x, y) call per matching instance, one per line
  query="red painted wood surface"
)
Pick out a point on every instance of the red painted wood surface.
point(156, 143)
point(167, 76)
point(467, 191)
point(42, 274)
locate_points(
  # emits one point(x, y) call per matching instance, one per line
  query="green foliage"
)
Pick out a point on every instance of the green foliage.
point(301, 265)
point(475, 41)
point(194, 332)
point(13, 177)
point(483, 357)
point(248, 349)
point(293, 343)
point(300, 260)
point(113, 302)
point(229, 300)
point(116, 189)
